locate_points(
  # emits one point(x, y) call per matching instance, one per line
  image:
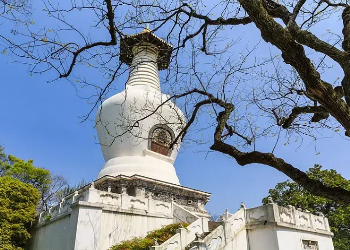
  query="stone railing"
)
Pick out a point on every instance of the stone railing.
point(111, 201)
point(63, 208)
point(174, 243)
point(215, 240)
point(287, 217)
point(184, 236)
point(182, 215)
point(232, 224)
point(232, 232)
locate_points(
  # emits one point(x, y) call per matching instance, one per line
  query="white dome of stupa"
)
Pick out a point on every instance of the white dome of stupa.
point(136, 127)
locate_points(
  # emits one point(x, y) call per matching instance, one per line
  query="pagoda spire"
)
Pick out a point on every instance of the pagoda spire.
point(146, 54)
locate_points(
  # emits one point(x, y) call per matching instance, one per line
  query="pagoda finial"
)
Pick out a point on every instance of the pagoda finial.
point(145, 37)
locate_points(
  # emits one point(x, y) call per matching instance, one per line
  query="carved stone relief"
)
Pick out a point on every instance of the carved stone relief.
point(178, 214)
point(319, 224)
point(286, 215)
point(173, 245)
point(137, 203)
point(195, 229)
point(109, 198)
point(215, 243)
point(304, 220)
point(236, 224)
point(162, 207)
point(256, 215)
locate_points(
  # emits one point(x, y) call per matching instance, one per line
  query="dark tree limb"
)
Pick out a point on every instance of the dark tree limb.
point(310, 40)
point(218, 21)
point(313, 42)
point(346, 47)
point(302, 36)
point(294, 54)
point(231, 132)
point(79, 51)
point(296, 12)
point(287, 122)
point(112, 31)
point(183, 132)
point(346, 29)
point(211, 99)
point(315, 187)
point(335, 4)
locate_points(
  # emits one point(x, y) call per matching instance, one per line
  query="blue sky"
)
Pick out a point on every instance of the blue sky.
point(40, 121)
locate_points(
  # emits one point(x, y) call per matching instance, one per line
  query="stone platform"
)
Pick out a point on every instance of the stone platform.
point(113, 209)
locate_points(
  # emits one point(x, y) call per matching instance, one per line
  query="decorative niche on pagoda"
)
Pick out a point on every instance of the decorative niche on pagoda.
point(135, 127)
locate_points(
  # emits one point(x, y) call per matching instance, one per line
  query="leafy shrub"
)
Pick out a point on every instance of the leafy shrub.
point(161, 235)
point(18, 202)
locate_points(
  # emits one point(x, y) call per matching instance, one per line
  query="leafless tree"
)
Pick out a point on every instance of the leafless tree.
point(14, 10)
point(215, 217)
point(49, 194)
point(223, 85)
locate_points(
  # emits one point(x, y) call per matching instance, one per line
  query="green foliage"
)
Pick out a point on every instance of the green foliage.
point(18, 202)
point(291, 193)
point(134, 244)
point(3, 161)
point(160, 235)
point(26, 172)
point(48, 185)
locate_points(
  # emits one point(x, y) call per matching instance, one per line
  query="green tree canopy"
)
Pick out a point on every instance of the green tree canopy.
point(26, 172)
point(48, 185)
point(18, 202)
point(291, 193)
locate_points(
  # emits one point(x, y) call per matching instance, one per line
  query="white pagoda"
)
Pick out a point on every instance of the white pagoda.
point(138, 190)
point(137, 126)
